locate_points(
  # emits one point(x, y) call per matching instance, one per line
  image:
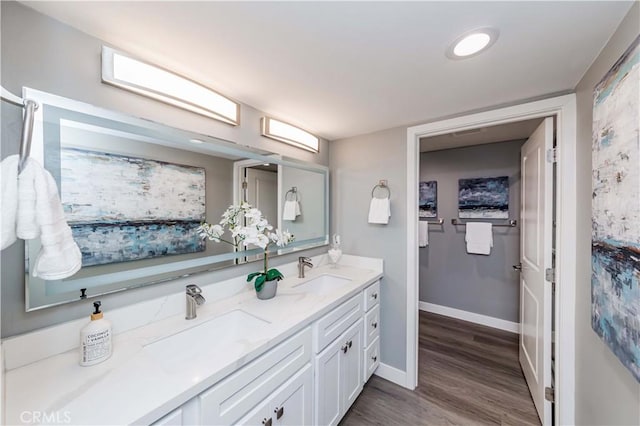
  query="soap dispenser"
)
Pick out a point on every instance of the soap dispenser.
point(95, 339)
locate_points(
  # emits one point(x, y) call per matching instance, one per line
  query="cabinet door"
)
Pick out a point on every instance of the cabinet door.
point(327, 398)
point(174, 418)
point(351, 368)
point(292, 404)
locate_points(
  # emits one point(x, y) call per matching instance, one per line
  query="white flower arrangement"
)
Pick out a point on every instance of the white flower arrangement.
point(248, 227)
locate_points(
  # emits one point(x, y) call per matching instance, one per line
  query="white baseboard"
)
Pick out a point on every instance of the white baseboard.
point(498, 323)
point(391, 374)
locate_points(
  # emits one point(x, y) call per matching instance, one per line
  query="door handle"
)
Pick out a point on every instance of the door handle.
point(345, 348)
point(517, 267)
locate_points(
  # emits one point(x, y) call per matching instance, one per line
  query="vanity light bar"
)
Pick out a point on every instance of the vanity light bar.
point(126, 72)
point(283, 132)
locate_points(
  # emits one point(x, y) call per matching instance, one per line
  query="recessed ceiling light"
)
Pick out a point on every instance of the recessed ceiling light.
point(472, 43)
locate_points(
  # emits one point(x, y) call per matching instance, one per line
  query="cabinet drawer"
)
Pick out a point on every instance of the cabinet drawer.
point(371, 358)
point(336, 322)
point(372, 296)
point(371, 325)
point(233, 397)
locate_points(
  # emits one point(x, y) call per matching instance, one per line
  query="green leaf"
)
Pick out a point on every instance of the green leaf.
point(274, 274)
point(260, 282)
point(253, 275)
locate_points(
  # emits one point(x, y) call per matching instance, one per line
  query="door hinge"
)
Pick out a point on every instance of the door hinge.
point(552, 155)
point(550, 275)
point(550, 394)
point(245, 185)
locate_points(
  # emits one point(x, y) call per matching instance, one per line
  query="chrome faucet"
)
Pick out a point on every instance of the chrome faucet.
point(302, 262)
point(194, 299)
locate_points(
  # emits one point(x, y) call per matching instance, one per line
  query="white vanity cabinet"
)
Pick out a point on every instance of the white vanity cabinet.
point(346, 343)
point(279, 378)
point(372, 330)
point(290, 405)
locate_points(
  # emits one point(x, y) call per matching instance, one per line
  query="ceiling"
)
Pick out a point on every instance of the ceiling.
point(340, 69)
point(519, 130)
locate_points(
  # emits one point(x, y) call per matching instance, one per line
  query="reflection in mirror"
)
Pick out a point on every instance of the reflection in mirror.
point(134, 193)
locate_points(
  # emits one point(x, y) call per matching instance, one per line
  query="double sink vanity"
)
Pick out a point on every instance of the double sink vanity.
point(301, 358)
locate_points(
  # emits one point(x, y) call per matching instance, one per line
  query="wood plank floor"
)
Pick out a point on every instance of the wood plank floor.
point(468, 375)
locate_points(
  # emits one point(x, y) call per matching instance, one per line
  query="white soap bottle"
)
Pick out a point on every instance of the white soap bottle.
point(95, 339)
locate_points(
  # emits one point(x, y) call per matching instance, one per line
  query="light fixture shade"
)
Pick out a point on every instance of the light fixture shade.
point(284, 132)
point(124, 71)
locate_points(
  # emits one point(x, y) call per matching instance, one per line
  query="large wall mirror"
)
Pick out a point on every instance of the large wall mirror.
point(134, 193)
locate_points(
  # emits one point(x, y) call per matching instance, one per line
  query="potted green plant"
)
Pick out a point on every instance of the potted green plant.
point(248, 227)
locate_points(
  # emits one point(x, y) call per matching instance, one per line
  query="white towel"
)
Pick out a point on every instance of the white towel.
point(59, 255)
point(27, 227)
point(423, 234)
point(291, 210)
point(9, 198)
point(479, 238)
point(379, 210)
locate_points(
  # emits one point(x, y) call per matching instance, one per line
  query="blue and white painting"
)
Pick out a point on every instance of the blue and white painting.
point(615, 242)
point(428, 200)
point(124, 208)
point(483, 198)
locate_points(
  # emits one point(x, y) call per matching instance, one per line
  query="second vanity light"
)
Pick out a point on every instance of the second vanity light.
point(287, 133)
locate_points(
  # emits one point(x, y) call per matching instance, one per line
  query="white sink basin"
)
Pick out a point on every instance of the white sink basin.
point(322, 284)
point(226, 334)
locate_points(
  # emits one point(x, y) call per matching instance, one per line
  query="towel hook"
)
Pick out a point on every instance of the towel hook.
point(381, 184)
point(294, 193)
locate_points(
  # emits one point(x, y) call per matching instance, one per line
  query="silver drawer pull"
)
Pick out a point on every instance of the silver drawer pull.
point(374, 324)
point(374, 358)
point(374, 295)
point(345, 348)
point(279, 412)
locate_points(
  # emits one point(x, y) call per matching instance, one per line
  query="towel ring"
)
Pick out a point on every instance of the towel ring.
point(294, 193)
point(383, 185)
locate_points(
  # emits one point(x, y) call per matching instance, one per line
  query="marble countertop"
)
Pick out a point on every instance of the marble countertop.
point(132, 387)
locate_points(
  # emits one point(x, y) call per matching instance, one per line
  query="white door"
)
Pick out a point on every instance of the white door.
point(292, 406)
point(351, 369)
point(327, 395)
point(262, 193)
point(536, 256)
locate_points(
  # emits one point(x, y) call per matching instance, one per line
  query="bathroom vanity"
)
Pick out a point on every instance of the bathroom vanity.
point(301, 358)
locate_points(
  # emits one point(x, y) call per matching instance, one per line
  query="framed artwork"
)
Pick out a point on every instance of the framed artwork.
point(123, 208)
point(615, 239)
point(483, 198)
point(428, 199)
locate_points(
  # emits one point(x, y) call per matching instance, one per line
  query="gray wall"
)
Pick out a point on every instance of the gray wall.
point(606, 392)
point(47, 55)
point(357, 164)
point(449, 276)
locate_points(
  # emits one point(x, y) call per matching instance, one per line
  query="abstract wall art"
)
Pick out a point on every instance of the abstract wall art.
point(428, 200)
point(124, 208)
point(483, 198)
point(615, 240)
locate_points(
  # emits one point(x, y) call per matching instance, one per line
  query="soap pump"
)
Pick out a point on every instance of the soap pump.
point(95, 339)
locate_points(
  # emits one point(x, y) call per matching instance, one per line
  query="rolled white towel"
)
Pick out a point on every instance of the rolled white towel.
point(9, 197)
